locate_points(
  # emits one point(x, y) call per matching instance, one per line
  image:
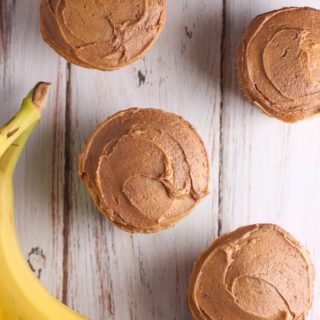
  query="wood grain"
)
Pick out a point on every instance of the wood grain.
point(262, 170)
point(25, 60)
point(269, 171)
point(114, 275)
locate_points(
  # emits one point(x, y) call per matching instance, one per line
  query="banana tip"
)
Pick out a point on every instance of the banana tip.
point(40, 94)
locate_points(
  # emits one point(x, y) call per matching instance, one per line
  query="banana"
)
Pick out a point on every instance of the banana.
point(22, 297)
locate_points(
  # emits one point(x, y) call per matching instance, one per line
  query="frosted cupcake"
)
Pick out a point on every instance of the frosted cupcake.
point(278, 63)
point(256, 272)
point(145, 169)
point(104, 34)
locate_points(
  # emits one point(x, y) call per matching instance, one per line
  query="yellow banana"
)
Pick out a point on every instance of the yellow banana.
point(22, 297)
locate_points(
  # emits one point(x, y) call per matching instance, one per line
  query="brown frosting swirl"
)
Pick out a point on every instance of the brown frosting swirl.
point(103, 34)
point(145, 169)
point(279, 63)
point(258, 272)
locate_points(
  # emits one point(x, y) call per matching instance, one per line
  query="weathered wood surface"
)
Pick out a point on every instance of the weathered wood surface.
point(269, 169)
point(262, 170)
point(24, 60)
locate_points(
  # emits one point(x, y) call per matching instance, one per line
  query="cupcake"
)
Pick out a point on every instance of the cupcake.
point(256, 272)
point(145, 169)
point(105, 34)
point(278, 63)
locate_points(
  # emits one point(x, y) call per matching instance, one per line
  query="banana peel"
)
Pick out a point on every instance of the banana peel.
point(22, 296)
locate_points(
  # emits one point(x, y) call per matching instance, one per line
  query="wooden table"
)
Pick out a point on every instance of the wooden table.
point(263, 170)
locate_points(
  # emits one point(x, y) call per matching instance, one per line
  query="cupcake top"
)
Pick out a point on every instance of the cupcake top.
point(279, 63)
point(104, 34)
point(145, 169)
point(256, 272)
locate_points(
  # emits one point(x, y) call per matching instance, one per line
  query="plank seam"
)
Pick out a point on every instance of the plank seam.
point(67, 201)
point(222, 60)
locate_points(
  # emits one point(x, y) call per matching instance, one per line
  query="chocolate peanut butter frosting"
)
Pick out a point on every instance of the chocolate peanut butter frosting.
point(279, 63)
point(258, 272)
point(102, 34)
point(145, 169)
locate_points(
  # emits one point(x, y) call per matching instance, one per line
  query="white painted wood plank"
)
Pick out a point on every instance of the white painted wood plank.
point(270, 169)
point(114, 275)
point(25, 60)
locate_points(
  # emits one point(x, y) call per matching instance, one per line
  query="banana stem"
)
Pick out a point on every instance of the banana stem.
point(28, 116)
